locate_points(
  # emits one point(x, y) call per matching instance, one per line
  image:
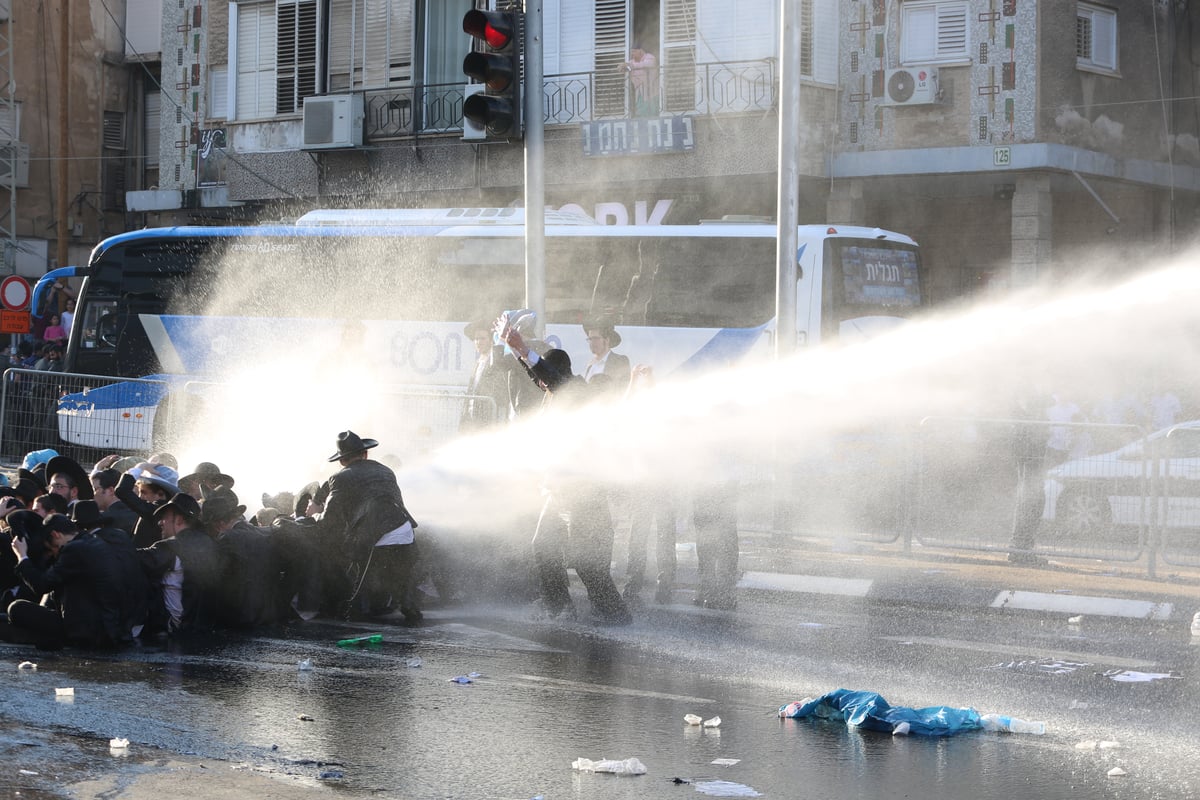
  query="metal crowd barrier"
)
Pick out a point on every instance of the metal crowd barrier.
point(996, 484)
point(89, 416)
point(1178, 534)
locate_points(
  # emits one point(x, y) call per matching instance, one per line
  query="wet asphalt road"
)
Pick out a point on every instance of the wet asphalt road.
point(548, 693)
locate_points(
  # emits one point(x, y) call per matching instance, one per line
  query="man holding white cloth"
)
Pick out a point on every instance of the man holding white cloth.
point(367, 533)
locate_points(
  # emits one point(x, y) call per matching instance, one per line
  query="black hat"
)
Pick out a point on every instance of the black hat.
point(27, 489)
point(560, 367)
point(86, 515)
point(37, 478)
point(65, 465)
point(182, 504)
point(207, 472)
point(476, 328)
point(60, 523)
point(350, 443)
point(220, 504)
point(606, 330)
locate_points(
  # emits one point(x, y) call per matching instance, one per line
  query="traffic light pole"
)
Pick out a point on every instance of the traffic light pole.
point(788, 212)
point(535, 167)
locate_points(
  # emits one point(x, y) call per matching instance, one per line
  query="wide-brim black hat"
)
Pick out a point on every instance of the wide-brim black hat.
point(87, 515)
point(220, 504)
point(182, 504)
point(350, 443)
point(559, 362)
point(65, 465)
point(208, 472)
point(37, 478)
point(606, 330)
point(477, 327)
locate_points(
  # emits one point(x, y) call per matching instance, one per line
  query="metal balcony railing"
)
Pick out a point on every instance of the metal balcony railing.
point(727, 87)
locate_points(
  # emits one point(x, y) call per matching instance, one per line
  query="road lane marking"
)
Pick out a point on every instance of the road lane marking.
point(1082, 604)
point(809, 584)
point(1018, 650)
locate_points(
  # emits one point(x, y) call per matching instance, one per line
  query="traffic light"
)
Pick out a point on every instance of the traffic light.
point(496, 63)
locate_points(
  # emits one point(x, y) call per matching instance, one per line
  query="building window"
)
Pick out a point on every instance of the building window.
point(934, 31)
point(113, 140)
point(371, 44)
point(1096, 37)
point(277, 56)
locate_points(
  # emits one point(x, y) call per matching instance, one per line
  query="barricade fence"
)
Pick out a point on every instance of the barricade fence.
point(89, 416)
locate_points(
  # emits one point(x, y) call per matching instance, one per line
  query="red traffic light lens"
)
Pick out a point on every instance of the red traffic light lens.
point(495, 28)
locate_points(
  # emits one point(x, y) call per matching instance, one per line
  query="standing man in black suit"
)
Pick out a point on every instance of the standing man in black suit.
point(602, 338)
point(367, 535)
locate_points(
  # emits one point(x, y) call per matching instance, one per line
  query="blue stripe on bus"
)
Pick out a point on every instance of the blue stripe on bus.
point(727, 346)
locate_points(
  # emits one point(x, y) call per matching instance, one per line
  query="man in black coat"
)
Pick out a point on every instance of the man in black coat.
point(249, 573)
point(185, 565)
point(367, 534)
point(135, 588)
point(575, 527)
point(119, 514)
point(85, 580)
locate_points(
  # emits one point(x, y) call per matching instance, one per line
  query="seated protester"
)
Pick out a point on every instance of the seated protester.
point(295, 544)
point(47, 504)
point(120, 515)
point(184, 565)
point(249, 575)
point(19, 522)
point(135, 587)
point(145, 489)
point(85, 580)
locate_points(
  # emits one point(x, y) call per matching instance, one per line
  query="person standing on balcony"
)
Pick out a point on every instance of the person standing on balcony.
point(642, 69)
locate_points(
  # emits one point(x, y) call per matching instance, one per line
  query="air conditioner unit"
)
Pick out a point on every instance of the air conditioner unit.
point(910, 86)
point(14, 164)
point(333, 121)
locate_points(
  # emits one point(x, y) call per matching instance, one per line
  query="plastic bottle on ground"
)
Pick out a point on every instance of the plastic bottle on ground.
point(998, 722)
point(358, 641)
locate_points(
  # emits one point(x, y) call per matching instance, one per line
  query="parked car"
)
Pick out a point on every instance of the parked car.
point(1152, 481)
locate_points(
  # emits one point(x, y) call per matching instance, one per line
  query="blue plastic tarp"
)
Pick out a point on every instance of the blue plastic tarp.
point(871, 711)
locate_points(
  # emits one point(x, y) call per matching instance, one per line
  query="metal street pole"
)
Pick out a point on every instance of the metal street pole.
point(64, 150)
point(788, 213)
point(535, 168)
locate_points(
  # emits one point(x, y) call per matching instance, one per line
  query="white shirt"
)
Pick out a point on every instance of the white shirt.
point(596, 367)
point(173, 591)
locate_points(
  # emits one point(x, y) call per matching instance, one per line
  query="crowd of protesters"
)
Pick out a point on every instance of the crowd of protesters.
point(131, 549)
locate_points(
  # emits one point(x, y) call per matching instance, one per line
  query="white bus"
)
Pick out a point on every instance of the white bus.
point(402, 284)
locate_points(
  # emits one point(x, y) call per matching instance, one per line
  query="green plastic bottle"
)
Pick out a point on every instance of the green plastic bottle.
point(359, 641)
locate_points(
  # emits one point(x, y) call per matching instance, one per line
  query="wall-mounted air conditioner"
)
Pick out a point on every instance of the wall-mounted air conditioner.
point(910, 86)
point(333, 121)
point(14, 165)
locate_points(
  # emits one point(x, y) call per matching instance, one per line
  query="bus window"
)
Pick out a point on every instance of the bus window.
point(96, 325)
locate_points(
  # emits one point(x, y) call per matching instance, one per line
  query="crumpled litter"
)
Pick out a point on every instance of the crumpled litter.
point(870, 711)
point(725, 789)
point(413, 662)
point(715, 722)
point(305, 666)
point(628, 766)
point(724, 762)
point(27, 665)
point(463, 679)
point(68, 692)
point(692, 719)
point(1117, 772)
point(118, 744)
point(331, 775)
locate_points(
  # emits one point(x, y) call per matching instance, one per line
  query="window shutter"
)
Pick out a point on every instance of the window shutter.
point(951, 29)
point(296, 51)
point(919, 34)
point(218, 92)
point(612, 49)
point(678, 58)
point(153, 101)
point(255, 60)
point(825, 41)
